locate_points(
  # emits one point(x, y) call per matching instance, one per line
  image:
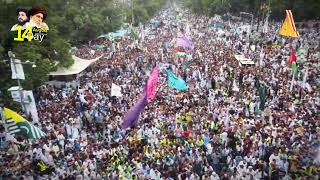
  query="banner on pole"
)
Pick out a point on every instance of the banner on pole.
point(288, 28)
point(17, 69)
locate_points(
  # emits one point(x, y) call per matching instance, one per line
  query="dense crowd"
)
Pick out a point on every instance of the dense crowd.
point(88, 53)
point(219, 128)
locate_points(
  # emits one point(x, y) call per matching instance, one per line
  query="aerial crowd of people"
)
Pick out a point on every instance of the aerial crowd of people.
point(219, 128)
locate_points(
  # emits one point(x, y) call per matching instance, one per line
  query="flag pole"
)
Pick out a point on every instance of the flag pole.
point(3, 122)
point(2, 114)
point(13, 60)
point(305, 78)
point(292, 81)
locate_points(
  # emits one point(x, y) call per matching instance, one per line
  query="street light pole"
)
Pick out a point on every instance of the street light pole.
point(132, 17)
point(2, 115)
point(20, 88)
point(251, 24)
point(13, 60)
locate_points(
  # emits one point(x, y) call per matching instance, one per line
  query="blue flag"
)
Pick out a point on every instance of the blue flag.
point(175, 82)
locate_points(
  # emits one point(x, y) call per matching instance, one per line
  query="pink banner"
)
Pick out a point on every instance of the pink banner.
point(152, 84)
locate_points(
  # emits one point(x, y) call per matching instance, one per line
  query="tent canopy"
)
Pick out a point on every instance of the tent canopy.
point(78, 66)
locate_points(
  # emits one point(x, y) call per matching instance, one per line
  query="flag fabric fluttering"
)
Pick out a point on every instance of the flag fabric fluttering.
point(185, 42)
point(293, 63)
point(294, 70)
point(293, 58)
point(132, 117)
point(304, 81)
point(175, 82)
point(16, 124)
point(180, 54)
point(266, 23)
point(292, 82)
point(152, 84)
point(116, 90)
point(188, 30)
point(294, 67)
point(288, 28)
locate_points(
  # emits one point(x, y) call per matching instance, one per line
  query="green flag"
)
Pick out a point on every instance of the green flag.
point(18, 125)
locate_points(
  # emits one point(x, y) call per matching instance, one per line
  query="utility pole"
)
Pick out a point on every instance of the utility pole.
point(1, 110)
point(2, 120)
point(259, 14)
point(13, 60)
point(132, 17)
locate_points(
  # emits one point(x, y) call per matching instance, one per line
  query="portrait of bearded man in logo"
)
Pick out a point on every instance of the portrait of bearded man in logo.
point(36, 16)
point(22, 13)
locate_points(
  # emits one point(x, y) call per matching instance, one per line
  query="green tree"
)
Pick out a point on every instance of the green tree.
point(143, 10)
point(302, 9)
point(71, 23)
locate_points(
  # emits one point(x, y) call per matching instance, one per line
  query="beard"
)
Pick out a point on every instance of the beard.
point(22, 22)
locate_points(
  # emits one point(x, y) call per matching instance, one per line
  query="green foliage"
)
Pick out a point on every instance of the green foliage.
point(302, 9)
point(71, 23)
point(140, 14)
point(142, 10)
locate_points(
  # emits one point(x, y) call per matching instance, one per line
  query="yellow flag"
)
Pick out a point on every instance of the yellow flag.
point(9, 114)
point(18, 124)
point(288, 28)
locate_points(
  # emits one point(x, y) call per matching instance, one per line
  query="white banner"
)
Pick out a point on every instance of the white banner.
point(17, 70)
point(30, 105)
point(15, 93)
point(28, 101)
point(116, 90)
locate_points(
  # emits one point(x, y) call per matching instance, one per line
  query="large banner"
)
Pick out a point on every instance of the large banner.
point(17, 69)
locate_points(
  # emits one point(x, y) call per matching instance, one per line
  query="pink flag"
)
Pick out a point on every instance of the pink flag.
point(152, 84)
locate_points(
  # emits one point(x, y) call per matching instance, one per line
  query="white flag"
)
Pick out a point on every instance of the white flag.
point(235, 87)
point(304, 85)
point(17, 69)
point(116, 90)
point(188, 31)
point(266, 23)
point(15, 93)
point(30, 105)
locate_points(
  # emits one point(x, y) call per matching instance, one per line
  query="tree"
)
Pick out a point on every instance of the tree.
point(143, 10)
point(71, 23)
point(301, 9)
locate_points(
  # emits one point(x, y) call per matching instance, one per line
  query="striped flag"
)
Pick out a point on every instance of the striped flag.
point(180, 54)
point(293, 58)
point(288, 28)
point(16, 124)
